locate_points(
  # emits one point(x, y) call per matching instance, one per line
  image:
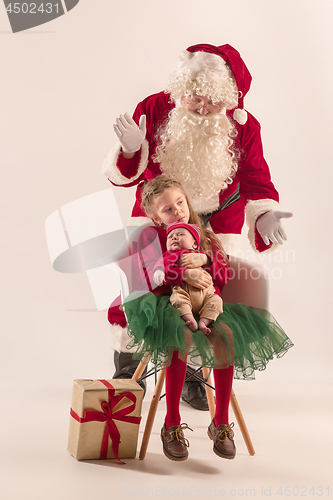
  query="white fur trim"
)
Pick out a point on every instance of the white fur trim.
point(230, 242)
point(120, 338)
point(240, 115)
point(203, 62)
point(255, 208)
point(110, 169)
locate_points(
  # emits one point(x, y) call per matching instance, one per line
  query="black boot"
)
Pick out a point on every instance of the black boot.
point(125, 367)
point(194, 392)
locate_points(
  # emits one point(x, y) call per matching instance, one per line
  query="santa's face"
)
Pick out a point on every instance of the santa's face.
point(201, 104)
point(170, 206)
point(180, 239)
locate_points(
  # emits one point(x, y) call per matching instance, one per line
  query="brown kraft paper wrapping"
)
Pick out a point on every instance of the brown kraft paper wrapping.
point(100, 410)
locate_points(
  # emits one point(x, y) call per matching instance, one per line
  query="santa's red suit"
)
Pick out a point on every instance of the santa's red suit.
point(257, 194)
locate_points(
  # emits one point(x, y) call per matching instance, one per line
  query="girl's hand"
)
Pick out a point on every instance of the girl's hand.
point(193, 260)
point(197, 277)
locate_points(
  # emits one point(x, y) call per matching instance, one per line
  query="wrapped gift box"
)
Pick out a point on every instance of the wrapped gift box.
point(105, 417)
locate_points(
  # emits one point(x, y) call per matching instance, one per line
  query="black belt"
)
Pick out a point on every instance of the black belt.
point(235, 196)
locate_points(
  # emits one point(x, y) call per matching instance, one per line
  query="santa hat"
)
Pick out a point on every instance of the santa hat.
point(192, 228)
point(209, 60)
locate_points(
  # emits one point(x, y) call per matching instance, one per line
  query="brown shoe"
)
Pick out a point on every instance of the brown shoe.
point(174, 443)
point(223, 438)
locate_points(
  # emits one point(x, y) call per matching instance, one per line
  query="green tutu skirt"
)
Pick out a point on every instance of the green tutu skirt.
point(242, 336)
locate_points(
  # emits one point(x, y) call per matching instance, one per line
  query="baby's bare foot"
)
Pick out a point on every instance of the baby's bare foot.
point(190, 322)
point(203, 325)
point(192, 325)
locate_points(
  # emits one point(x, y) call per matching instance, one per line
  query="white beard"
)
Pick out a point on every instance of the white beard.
point(196, 151)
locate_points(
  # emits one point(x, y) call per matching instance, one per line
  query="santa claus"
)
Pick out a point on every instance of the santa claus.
point(198, 132)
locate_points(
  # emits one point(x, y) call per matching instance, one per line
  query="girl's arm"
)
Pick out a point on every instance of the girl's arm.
point(197, 277)
point(219, 269)
point(151, 247)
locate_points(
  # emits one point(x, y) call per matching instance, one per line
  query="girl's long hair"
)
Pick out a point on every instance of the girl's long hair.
point(209, 241)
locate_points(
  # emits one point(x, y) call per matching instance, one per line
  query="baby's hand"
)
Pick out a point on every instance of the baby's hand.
point(159, 276)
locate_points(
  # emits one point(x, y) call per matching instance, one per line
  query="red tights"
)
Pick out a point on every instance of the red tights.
point(223, 378)
point(174, 381)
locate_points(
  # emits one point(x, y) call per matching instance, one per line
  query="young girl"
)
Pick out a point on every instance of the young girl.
point(241, 338)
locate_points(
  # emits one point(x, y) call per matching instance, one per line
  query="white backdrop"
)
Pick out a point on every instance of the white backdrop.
point(62, 84)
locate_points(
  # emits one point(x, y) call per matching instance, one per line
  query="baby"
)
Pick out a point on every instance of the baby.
point(189, 300)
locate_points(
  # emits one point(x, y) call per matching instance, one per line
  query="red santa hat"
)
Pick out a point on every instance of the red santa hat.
point(201, 59)
point(192, 228)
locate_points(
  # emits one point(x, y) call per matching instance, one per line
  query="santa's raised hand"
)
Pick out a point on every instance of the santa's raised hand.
point(270, 227)
point(130, 135)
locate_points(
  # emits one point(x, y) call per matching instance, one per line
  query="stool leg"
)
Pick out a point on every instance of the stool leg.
point(151, 414)
point(209, 392)
point(241, 422)
point(140, 368)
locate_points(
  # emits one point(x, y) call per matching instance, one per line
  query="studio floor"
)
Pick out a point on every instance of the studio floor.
point(290, 424)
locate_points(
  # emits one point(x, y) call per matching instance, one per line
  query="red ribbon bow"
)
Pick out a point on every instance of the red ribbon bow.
point(108, 416)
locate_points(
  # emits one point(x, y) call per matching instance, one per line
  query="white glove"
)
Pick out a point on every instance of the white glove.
point(129, 134)
point(159, 276)
point(270, 228)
